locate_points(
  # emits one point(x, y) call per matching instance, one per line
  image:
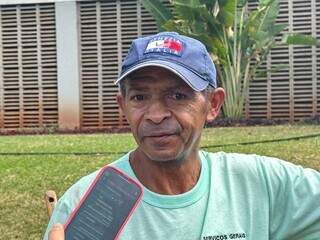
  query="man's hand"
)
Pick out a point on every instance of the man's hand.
point(56, 232)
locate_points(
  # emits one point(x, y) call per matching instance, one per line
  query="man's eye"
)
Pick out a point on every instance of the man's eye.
point(138, 98)
point(179, 96)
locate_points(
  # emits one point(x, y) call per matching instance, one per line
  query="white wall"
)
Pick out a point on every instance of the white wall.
point(68, 65)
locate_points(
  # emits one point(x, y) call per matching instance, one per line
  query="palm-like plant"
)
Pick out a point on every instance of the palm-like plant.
point(237, 39)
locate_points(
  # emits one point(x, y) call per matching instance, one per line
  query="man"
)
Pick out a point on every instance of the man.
point(168, 91)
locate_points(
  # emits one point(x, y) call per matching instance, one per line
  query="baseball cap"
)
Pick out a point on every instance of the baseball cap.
point(182, 55)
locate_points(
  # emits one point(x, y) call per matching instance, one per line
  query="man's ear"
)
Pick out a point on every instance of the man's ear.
point(121, 102)
point(216, 99)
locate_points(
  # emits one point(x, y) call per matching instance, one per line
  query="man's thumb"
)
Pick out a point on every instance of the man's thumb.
point(56, 232)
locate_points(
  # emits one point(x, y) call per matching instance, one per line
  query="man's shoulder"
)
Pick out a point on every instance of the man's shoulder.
point(256, 167)
point(240, 162)
point(121, 163)
point(79, 187)
point(224, 159)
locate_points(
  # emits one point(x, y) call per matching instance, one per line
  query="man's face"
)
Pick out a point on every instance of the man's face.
point(166, 115)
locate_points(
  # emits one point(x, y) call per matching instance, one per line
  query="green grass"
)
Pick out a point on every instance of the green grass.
point(24, 179)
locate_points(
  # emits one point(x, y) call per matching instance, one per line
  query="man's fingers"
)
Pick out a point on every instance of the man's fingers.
point(56, 232)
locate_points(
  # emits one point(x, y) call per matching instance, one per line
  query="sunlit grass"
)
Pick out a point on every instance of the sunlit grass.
point(25, 178)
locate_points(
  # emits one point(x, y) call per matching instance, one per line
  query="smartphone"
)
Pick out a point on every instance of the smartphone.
point(105, 208)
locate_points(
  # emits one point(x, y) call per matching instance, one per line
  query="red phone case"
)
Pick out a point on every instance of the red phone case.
point(91, 187)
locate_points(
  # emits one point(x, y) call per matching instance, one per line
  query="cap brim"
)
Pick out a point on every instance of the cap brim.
point(192, 79)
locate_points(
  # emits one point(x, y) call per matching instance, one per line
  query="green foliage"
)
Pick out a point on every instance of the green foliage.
point(238, 41)
point(300, 39)
point(161, 13)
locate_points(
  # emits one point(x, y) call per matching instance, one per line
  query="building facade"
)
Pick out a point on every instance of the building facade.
point(59, 61)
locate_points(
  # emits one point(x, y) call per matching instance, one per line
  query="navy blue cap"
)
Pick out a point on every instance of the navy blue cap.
point(184, 56)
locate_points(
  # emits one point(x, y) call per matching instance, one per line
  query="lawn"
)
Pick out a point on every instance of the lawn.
point(25, 178)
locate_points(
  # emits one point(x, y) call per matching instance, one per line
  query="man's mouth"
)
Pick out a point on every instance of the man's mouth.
point(160, 134)
point(161, 139)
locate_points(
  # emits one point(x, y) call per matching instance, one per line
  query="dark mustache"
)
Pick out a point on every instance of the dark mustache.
point(165, 128)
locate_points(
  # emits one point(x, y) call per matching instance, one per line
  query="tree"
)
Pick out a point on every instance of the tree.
point(237, 39)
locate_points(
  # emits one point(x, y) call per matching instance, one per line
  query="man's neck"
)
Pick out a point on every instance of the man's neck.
point(170, 177)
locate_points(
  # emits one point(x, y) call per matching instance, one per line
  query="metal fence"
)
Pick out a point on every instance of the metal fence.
point(28, 79)
point(294, 92)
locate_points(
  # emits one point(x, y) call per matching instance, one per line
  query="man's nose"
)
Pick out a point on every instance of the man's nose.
point(157, 112)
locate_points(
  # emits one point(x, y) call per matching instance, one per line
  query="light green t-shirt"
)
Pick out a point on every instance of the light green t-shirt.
point(237, 196)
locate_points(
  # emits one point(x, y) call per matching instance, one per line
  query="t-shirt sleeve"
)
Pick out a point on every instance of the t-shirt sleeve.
point(294, 196)
point(60, 215)
point(68, 202)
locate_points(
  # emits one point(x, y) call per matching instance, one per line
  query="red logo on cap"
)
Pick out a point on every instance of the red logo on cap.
point(173, 45)
point(165, 45)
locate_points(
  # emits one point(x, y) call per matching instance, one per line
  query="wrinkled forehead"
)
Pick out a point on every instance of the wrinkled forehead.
point(154, 76)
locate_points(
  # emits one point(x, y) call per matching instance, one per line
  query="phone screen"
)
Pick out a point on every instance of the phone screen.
point(105, 208)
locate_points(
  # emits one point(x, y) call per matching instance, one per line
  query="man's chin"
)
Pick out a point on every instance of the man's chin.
point(162, 155)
